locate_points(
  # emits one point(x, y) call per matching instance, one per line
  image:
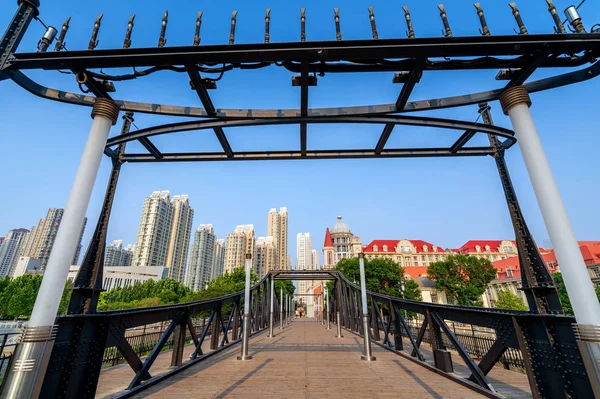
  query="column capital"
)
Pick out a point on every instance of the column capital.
point(106, 108)
point(513, 96)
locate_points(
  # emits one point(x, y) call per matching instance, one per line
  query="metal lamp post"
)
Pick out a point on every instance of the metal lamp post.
point(327, 311)
point(515, 103)
point(271, 295)
point(246, 326)
point(365, 315)
point(281, 309)
point(31, 356)
point(403, 287)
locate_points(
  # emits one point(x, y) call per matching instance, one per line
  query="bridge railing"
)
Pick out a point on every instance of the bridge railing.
point(544, 345)
point(85, 343)
point(8, 340)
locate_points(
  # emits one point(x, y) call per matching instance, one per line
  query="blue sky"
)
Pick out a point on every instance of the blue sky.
point(444, 201)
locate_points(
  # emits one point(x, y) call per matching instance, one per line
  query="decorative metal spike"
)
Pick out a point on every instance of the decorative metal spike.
point(267, 22)
point(517, 15)
point(61, 37)
point(559, 25)
point(447, 32)
point(373, 26)
point(163, 30)
point(232, 31)
point(93, 42)
point(410, 33)
point(336, 17)
point(303, 24)
point(127, 42)
point(485, 31)
point(197, 32)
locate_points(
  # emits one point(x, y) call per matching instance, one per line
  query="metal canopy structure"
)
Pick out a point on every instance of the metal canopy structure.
point(544, 335)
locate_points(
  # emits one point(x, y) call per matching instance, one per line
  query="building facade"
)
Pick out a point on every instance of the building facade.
point(407, 253)
point(491, 250)
point(179, 239)
point(304, 259)
point(201, 258)
point(10, 248)
point(164, 233)
point(239, 243)
point(113, 253)
point(315, 259)
point(122, 276)
point(266, 254)
point(339, 244)
point(218, 259)
point(277, 227)
point(40, 240)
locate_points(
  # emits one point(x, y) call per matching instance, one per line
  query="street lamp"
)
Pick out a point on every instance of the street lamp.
point(402, 288)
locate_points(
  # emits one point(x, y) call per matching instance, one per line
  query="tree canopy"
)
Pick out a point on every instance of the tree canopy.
point(381, 275)
point(139, 295)
point(17, 296)
point(508, 300)
point(462, 278)
point(224, 284)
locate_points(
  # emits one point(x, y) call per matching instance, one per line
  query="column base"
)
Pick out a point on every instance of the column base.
point(248, 357)
point(368, 358)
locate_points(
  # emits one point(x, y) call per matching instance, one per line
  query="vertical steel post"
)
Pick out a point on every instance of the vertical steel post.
point(327, 304)
point(38, 337)
point(281, 309)
point(246, 326)
point(271, 295)
point(322, 296)
point(515, 103)
point(365, 314)
point(28, 9)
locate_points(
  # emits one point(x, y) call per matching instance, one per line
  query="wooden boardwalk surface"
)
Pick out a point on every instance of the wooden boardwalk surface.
point(304, 360)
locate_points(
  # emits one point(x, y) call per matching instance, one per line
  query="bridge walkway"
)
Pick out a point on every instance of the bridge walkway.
point(304, 360)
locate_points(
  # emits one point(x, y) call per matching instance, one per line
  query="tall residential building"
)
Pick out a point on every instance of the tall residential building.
point(304, 258)
point(154, 231)
point(164, 233)
point(277, 227)
point(315, 259)
point(265, 255)
point(41, 238)
point(112, 253)
point(10, 248)
point(116, 255)
point(179, 242)
point(239, 243)
point(218, 259)
point(201, 257)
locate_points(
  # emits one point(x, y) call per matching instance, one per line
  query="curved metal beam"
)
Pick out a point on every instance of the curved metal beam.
point(422, 105)
point(389, 119)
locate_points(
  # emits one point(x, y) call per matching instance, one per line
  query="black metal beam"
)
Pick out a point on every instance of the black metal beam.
point(303, 105)
point(354, 50)
point(522, 75)
point(462, 140)
point(313, 154)
point(208, 106)
point(150, 147)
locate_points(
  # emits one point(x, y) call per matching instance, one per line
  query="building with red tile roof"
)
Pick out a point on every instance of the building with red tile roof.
point(491, 250)
point(407, 253)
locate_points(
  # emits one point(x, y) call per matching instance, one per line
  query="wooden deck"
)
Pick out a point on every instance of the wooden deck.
point(304, 360)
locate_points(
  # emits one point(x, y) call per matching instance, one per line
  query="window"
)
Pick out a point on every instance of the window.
point(550, 264)
point(405, 248)
point(385, 248)
point(375, 248)
point(507, 248)
point(423, 258)
point(478, 248)
point(424, 248)
point(494, 257)
point(509, 272)
point(434, 248)
point(596, 272)
point(487, 248)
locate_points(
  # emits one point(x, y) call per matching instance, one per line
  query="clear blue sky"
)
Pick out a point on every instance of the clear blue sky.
point(444, 201)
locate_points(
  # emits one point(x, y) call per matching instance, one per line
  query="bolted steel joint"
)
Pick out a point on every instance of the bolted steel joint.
point(513, 96)
point(106, 108)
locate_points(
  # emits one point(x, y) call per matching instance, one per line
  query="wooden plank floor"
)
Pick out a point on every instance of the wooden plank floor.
point(305, 360)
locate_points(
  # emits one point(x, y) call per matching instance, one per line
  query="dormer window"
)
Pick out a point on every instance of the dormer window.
point(424, 248)
point(478, 248)
point(375, 248)
point(434, 248)
point(405, 248)
point(385, 248)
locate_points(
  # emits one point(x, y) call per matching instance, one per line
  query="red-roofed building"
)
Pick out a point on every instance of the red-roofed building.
point(407, 253)
point(491, 250)
point(339, 244)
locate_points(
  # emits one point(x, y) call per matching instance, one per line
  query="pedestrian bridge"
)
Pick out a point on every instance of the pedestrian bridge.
point(306, 360)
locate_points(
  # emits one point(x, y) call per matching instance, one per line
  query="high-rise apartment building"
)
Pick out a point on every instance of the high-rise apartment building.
point(116, 255)
point(315, 259)
point(239, 243)
point(218, 259)
point(164, 233)
point(265, 256)
point(277, 227)
point(41, 238)
point(303, 258)
point(179, 241)
point(202, 257)
point(10, 248)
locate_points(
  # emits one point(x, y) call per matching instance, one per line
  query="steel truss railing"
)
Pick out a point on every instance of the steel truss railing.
point(547, 343)
point(82, 340)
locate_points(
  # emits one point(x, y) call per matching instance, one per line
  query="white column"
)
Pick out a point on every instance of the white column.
point(574, 271)
point(67, 237)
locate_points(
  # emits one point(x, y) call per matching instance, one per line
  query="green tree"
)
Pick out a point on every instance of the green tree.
point(20, 296)
point(381, 275)
point(144, 294)
point(224, 284)
point(562, 293)
point(462, 278)
point(508, 300)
